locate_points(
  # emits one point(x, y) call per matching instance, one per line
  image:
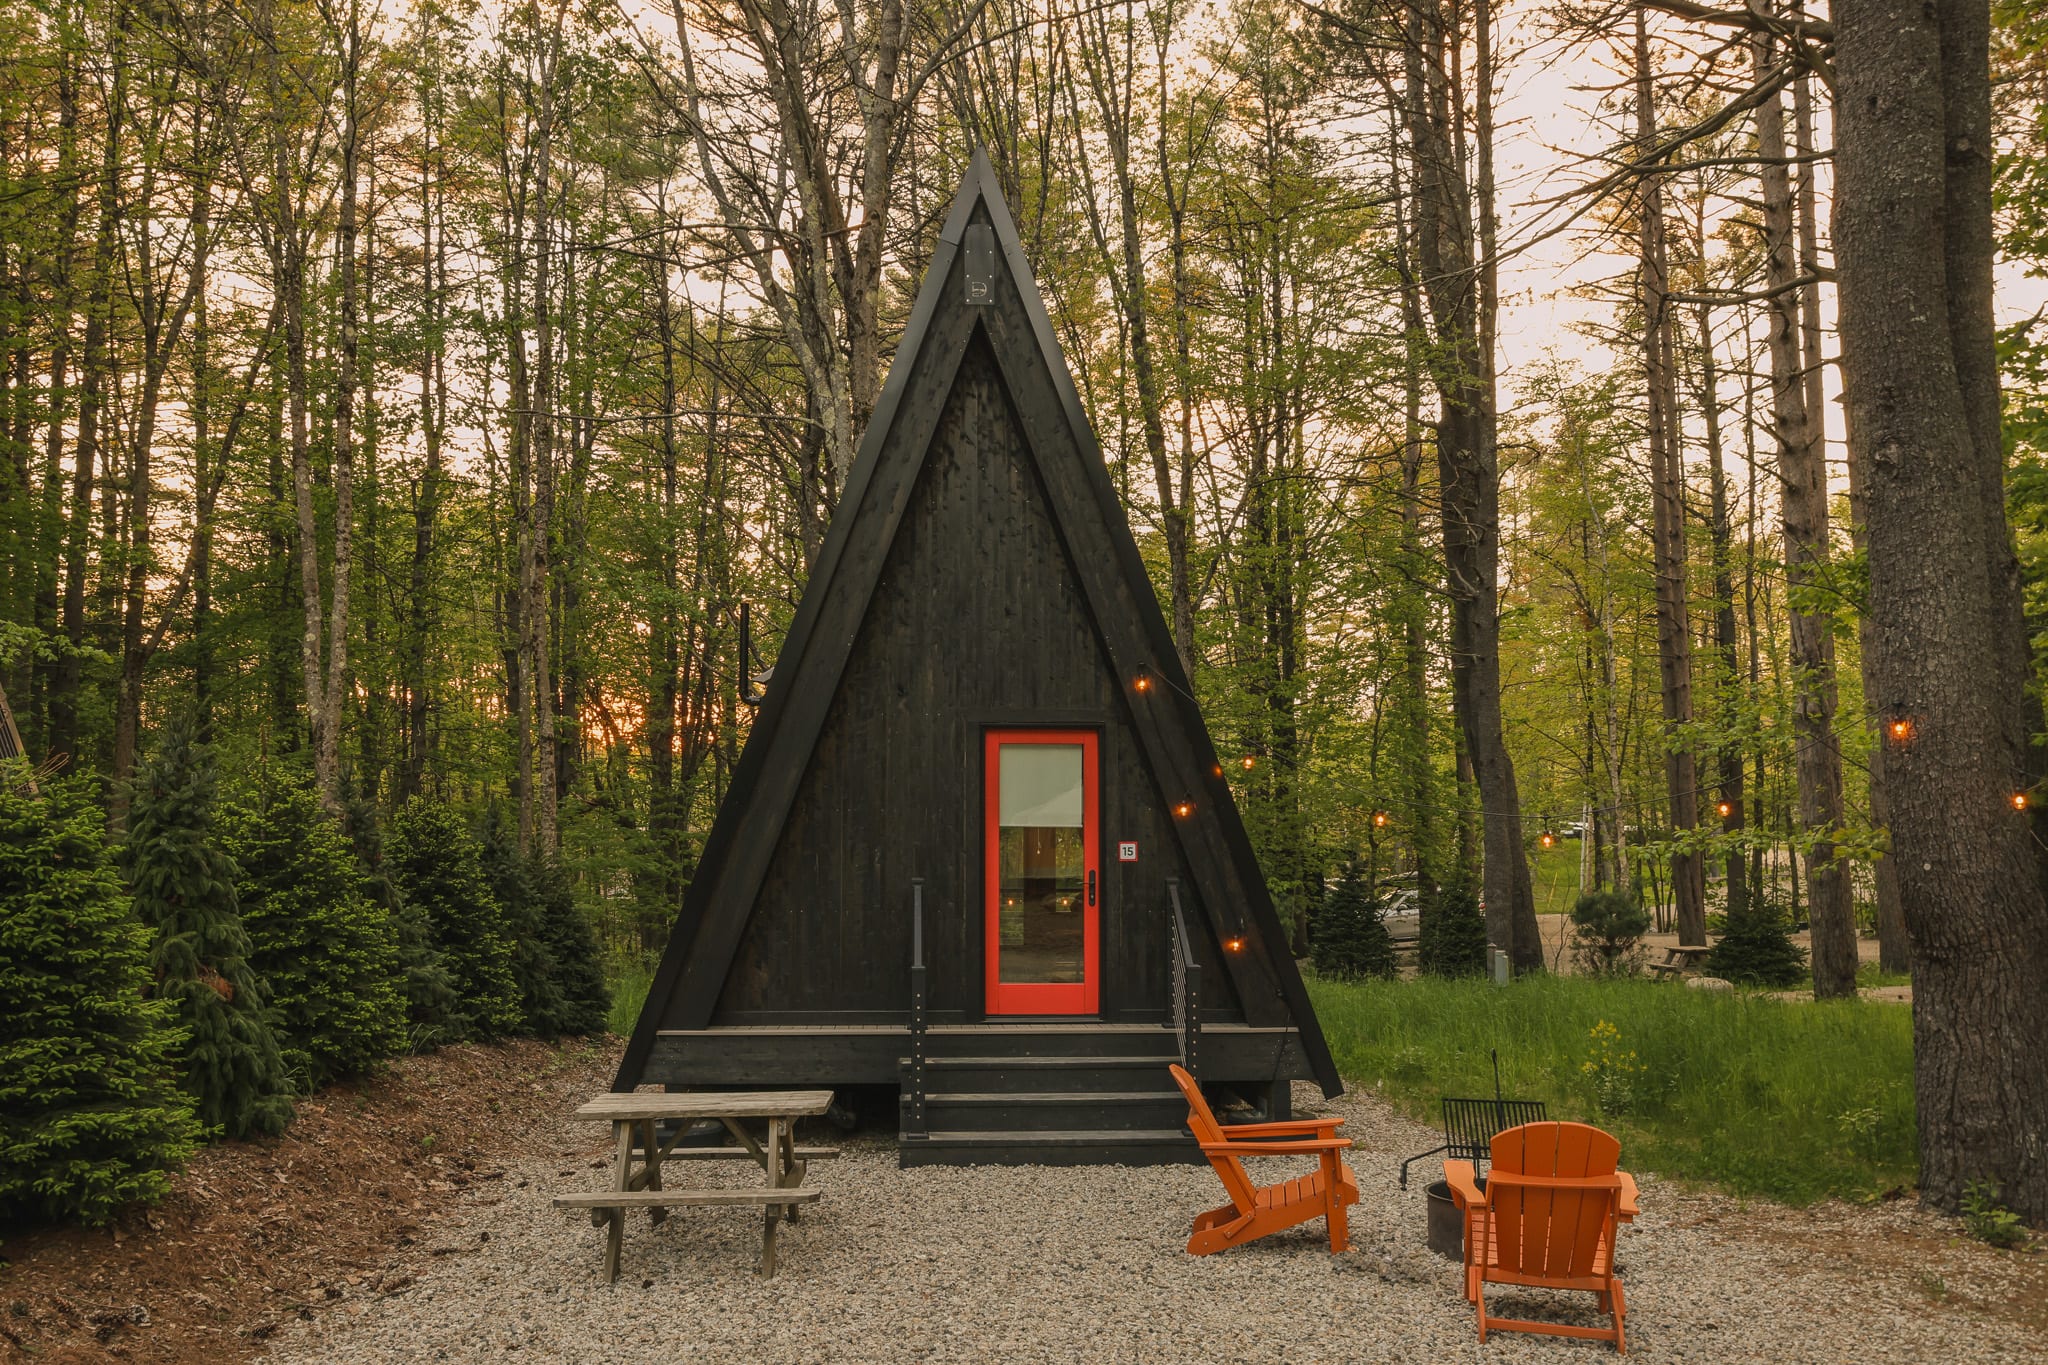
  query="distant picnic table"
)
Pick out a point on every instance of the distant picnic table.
point(1680, 959)
point(633, 1118)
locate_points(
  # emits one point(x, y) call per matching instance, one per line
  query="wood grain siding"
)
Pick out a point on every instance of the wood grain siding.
point(978, 619)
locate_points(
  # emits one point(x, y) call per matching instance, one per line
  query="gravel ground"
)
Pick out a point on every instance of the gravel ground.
point(1086, 1264)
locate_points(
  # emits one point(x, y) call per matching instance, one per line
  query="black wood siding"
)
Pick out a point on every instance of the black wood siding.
point(978, 621)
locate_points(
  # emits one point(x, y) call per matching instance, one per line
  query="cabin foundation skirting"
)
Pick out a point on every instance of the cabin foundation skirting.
point(1234, 1054)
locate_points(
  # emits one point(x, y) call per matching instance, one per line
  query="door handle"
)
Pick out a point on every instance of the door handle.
point(1091, 886)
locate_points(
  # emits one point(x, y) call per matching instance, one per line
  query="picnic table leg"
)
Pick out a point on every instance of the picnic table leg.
point(792, 1169)
point(622, 1179)
point(650, 1175)
point(772, 1213)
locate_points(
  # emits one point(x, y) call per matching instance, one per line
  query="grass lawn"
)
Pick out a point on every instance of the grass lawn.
point(1791, 1101)
point(630, 976)
point(1554, 872)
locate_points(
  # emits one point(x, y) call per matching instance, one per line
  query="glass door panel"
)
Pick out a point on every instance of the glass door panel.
point(1041, 871)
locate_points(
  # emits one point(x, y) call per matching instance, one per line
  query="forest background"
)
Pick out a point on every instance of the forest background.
point(447, 401)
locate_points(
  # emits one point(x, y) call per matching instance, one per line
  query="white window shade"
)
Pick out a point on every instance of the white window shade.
point(1040, 786)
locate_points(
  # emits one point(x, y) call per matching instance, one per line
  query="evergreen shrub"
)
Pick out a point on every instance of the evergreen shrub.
point(1351, 932)
point(91, 1117)
point(572, 941)
point(1608, 929)
point(1758, 950)
point(433, 1010)
point(1453, 939)
point(438, 869)
point(329, 952)
point(184, 888)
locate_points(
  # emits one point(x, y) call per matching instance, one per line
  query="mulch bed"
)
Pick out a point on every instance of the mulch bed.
point(258, 1233)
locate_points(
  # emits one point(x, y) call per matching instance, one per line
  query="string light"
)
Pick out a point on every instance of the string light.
point(1236, 945)
point(1724, 810)
point(2019, 800)
point(1900, 729)
point(1184, 809)
point(1249, 762)
point(1548, 838)
point(1379, 819)
point(1142, 683)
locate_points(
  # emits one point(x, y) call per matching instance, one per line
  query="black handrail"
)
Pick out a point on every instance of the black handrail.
point(1187, 986)
point(913, 1119)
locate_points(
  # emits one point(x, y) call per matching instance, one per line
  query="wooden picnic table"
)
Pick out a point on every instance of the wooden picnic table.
point(1680, 958)
point(633, 1118)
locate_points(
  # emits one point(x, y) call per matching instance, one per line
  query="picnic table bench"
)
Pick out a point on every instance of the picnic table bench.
point(1679, 959)
point(633, 1118)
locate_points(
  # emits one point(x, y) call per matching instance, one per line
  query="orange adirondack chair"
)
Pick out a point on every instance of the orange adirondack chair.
point(1547, 1217)
point(1255, 1210)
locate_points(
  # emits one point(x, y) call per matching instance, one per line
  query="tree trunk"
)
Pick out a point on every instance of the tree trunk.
point(1913, 248)
point(1469, 473)
point(1667, 490)
point(1803, 505)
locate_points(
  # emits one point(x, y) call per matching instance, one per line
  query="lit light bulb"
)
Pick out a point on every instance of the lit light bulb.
point(1184, 809)
point(1249, 762)
point(2019, 800)
point(1379, 819)
point(1724, 810)
point(1901, 729)
point(1548, 839)
point(1141, 683)
point(1236, 945)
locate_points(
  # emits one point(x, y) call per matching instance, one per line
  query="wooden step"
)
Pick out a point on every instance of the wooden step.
point(1127, 1075)
point(1053, 1111)
point(1121, 1041)
point(1091, 1147)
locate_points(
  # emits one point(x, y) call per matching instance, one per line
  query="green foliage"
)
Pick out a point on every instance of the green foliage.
point(1990, 1221)
point(1453, 940)
point(185, 891)
point(90, 1118)
point(572, 943)
point(329, 952)
point(1608, 929)
point(631, 977)
point(437, 868)
point(433, 1010)
point(1351, 932)
point(1740, 1089)
point(1757, 950)
point(557, 962)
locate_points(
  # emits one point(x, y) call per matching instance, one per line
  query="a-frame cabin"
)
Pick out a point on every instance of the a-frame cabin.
point(977, 789)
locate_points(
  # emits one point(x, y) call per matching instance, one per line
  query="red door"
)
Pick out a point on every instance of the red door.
point(1040, 874)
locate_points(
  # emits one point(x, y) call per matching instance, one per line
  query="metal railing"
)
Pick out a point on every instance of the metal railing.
point(1187, 986)
point(913, 1117)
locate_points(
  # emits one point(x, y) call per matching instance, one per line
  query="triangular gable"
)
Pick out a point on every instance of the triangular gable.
point(1112, 575)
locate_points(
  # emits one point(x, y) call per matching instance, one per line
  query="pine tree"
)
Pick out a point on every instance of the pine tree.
point(328, 951)
point(1757, 950)
point(433, 1009)
point(1453, 939)
point(91, 1118)
point(184, 889)
point(437, 868)
point(1351, 932)
point(579, 965)
point(533, 963)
